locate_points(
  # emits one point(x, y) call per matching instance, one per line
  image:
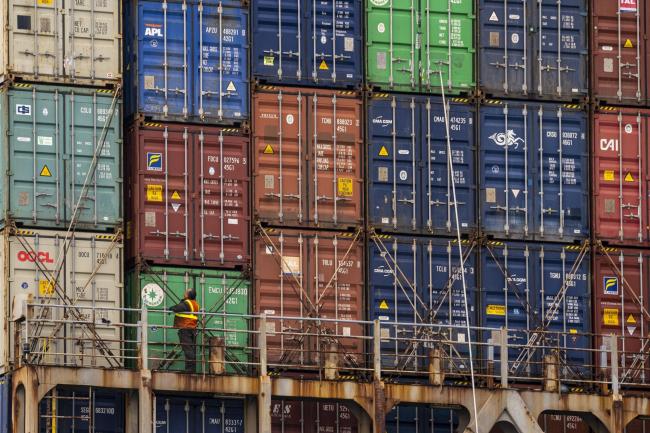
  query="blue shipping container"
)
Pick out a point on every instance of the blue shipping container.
point(409, 188)
point(74, 408)
point(411, 418)
point(534, 49)
point(418, 280)
point(5, 404)
point(189, 415)
point(534, 171)
point(519, 284)
point(309, 43)
point(188, 60)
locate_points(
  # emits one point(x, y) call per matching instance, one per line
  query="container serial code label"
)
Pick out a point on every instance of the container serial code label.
point(495, 310)
point(610, 316)
point(154, 193)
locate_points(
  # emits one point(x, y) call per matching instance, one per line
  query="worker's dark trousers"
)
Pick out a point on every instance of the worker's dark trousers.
point(187, 339)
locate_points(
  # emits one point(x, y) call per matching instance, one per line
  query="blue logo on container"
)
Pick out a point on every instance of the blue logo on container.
point(154, 161)
point(610, 285)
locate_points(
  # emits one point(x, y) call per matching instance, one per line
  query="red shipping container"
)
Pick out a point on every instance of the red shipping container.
point(188, 196)
point(620, 297)
point(563, 423)
point(620, 177)
point(619, 51)
point(310, 274)
point(308, 168)
point(295, 416)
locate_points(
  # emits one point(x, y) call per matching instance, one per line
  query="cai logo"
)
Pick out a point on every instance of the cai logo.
point(154, 161)
point(503, 139)
point(610, 285)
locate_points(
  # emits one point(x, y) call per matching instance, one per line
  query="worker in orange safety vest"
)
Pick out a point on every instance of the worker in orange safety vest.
point(186, 321)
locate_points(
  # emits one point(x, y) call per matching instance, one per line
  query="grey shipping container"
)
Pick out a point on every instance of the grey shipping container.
point(63, 41)
point(48, 137)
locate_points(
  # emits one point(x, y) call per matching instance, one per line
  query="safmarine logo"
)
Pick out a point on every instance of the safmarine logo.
point(506, 139)
point(610, 285)
point(154, 161)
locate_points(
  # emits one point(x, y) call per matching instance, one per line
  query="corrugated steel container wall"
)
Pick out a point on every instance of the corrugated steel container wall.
point(620, 176)
point(180, 414)
point(91, 275)
point(534, 171)
point(638, 425)
point(188, 196)
point(308, 43)
point(5, 403)
point(561, 423)
point(422, 46)
point(217, 291)
point(411, 418)
point(308, 158)
point(310, 274)
point(620, 282)
point(519, 284)
point(83, 411)
point(323, 416)
point(418, 280)
point(79, 42)
point(534, 49)
point(619, 68)
point(189, 60)
point(49, 136)
point(409, 188)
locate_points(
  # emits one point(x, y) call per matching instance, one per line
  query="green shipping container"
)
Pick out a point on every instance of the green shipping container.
point(216, 292)
point(48, 137)
point(411, 44)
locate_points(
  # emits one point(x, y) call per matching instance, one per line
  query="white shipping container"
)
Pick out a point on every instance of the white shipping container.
point(91, 276)
point(69, 41)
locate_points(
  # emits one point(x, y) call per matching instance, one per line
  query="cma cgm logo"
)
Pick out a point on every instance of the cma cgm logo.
point(609, 144)
point(32, 256)
point(506, 139)
point(153, 31)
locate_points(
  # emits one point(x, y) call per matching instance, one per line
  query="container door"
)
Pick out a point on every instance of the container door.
point(562, 207)
point(37, 130)
point(36, 37)
point(163, 67)
point(162, 191)
point(92, 43)
point(395, 298)
point(222, 59)
point(619, 47)
point(620, 188)
point(220, 416)
point(436, 184)
point(335, 36)
point(174, 415)
point(561, 43)
point(392, 46)
point(336, 180)
point(393, 164)
point(278, 41)
point(220, 206)
point(291, 416)
point(447, 55)
point(505, 170)
point(334, 417)
point(505, 46)
point(81, 411)
point(93, 123)
point(279, 140)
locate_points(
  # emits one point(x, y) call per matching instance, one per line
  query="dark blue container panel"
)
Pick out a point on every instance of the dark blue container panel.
point(410, 418)
point(74, 407)
point(409, 188)
point(308, 43)
point(5, 404)
point(178, 414)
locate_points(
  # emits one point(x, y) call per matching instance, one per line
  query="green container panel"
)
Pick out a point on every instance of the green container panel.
point(217, 292)
point(410, 45)
point(48, 136)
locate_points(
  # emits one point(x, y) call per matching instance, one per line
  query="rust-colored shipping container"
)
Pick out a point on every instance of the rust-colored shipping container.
point(305, 416)
point(620, 176)
point(308, 157)
point(620, 298)
point(563, 423)
point(310, 274)
point(187, 195)
point(619, 68)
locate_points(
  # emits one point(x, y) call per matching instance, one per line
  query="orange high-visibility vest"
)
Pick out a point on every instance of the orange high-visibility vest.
point(187, 320)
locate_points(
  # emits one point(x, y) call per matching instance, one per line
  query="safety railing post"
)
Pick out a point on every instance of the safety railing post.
point(262, 346)
point(376, 352)
point(144, 337)
point(504, 358)
point(613, 347)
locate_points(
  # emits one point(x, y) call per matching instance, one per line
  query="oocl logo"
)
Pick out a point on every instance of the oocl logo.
point(41, 257)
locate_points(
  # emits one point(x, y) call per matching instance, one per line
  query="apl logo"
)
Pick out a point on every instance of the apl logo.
point(153, 31)
point(506, 139)
point(154, 161)
point(610, 285)
point(32, 256)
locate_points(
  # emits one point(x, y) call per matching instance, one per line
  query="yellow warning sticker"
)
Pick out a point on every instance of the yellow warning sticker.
point(628, 44)
point(383, 151)
point(383, 305)
point(629, 177)
point(154, 193)
point(573, 331)
point(45, 2)
point(231, 87)
point(630, 319)
point(269, 60)
point(323, 66)
point(609, 175)
point(45, 171)
point(176, 195)
point(45, 288)
point(610, 316)
point(496, 310)
point(268, 150)
point(345, 187)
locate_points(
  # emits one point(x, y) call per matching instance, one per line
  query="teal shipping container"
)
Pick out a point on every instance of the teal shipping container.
point(48, 138)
